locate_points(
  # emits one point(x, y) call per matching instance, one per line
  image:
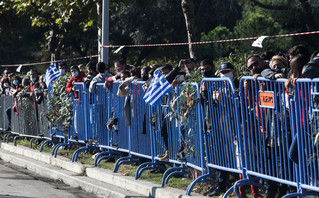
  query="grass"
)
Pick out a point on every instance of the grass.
point(126, 169)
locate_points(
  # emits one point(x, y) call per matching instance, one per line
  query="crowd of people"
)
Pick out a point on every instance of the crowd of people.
point(297, 63)
point(31, 86)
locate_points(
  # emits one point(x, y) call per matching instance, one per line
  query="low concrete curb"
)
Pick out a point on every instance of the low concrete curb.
point(99, 181)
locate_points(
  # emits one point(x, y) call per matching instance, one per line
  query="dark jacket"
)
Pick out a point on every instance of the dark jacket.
point(311, 69)
point(176, 75)
point(270, 73)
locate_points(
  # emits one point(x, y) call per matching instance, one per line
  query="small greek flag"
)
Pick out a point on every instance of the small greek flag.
point(51, 74)
point(158, 88)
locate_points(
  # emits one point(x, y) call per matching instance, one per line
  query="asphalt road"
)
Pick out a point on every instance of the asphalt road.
point(17, 182)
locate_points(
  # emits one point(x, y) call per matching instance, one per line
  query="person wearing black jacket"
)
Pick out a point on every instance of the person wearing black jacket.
point(91, 69)
point(311, 69)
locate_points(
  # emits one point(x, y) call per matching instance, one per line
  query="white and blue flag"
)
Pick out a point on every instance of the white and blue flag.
point(51, 74)
point(158, 88)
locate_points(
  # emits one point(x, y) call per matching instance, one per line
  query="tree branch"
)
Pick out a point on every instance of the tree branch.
point(270, 7)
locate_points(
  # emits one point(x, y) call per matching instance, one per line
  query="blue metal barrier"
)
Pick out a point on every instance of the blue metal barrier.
point(78, 133)
point(249, 135)
point(306, 114)
point(85, 120)
point(266, 133)
point(142, 131)
point(221, 128)
point(185, 133)
point(106, 139)
point(123, 110)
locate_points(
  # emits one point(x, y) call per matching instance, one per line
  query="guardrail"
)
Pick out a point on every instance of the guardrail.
point(249, 132)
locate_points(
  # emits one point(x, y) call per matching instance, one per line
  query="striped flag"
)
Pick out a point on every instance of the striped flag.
point(51, 74)
point(158, 88)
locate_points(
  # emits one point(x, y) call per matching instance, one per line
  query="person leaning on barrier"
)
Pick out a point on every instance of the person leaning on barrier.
point(255, 65)
point(77, 76)
point(124, 75)
point(311, 69)
point(120, 66)
point(298, 49)
point(91, 71)
point(102, 75)
point(227, 70)
point(16, 86)
point(296, 65)
point(278, 68)
point(124, 90)
point(32, 86)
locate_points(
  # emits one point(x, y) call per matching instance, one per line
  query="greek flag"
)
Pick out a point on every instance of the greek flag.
point(51, 74)
point(158, 88)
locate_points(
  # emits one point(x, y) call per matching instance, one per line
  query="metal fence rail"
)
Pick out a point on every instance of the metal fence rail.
point(306, 98)
point(266, 131)
point(249, 134)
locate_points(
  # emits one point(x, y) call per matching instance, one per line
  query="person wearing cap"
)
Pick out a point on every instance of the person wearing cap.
point(77, 76)
point(226, 70)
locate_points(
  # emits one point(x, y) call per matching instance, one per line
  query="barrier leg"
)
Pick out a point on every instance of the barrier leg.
point(12, 136)
point(230, 191)
point(101, 154)
point(150, 165)
point(98, 160)
point(47, 142)
point(200, 179)
point(87, 147)
point(15, 140)
point(56, 148)
point(32, 139)
point(173, 171)
point(124, 160)
point(244, 182)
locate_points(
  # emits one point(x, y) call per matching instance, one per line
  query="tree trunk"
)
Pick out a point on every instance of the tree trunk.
point(192, 32)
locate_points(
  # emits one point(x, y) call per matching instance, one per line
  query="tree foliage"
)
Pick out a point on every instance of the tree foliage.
point(257, 24)
point(60, 113)
point(216, 50)
point(68, 28)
